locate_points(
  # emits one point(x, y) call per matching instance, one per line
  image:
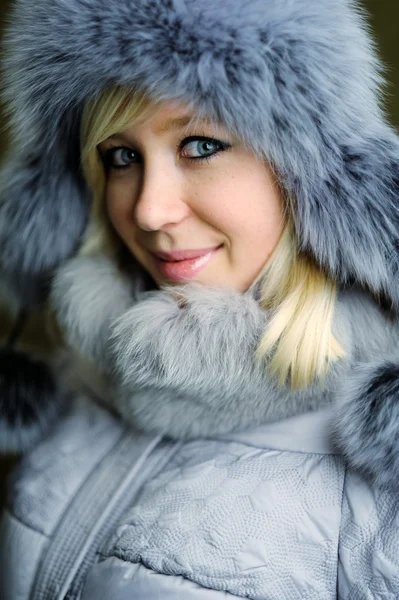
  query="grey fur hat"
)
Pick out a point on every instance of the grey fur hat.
point(297, 79)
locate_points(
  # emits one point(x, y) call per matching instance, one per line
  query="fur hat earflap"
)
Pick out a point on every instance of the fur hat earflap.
point(40, 189)
point(298, 81)
point(30, 400)
point(31, 397)
point(366, 420)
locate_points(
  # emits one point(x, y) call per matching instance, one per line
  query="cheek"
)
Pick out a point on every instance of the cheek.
point(248, 209)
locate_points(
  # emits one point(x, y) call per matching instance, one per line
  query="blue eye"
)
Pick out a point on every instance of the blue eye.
point(197, 148)
point(119, 158)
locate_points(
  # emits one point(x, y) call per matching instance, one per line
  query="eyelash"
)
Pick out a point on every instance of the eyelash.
point(222, 146)
point(107, 155)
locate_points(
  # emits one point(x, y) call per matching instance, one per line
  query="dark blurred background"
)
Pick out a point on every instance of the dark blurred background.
point(384, 20)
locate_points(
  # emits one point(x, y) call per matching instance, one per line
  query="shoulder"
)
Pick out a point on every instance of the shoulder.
point(47, 478)
point(42, 486)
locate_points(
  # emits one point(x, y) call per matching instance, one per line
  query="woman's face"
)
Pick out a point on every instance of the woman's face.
point(190, 202)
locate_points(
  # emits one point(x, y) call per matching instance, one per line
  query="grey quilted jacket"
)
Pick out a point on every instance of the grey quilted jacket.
point(98, 511)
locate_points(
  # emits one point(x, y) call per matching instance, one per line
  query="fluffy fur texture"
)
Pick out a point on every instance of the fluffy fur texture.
point(181, 361)
point(30, 400)
point(299, 81)
point(31, 397)
point(30, 194)
point(86, 306)
point(367, 420)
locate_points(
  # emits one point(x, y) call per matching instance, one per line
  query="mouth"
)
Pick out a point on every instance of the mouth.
point(183, 265)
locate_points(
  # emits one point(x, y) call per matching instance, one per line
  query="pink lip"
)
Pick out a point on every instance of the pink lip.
point(178, 255)
point(182, 265)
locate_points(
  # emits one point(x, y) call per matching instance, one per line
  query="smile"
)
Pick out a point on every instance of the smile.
point(183, 265)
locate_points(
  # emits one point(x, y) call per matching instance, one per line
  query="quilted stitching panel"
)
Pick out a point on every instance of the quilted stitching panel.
point(256, 523)
point(369, 544)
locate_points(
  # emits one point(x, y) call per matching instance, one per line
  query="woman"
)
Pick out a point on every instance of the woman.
point(214, 189)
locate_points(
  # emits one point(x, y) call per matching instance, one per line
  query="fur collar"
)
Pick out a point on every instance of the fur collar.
point(184, 367)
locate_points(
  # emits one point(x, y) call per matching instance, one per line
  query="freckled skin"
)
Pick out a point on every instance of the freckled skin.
point(168, 201)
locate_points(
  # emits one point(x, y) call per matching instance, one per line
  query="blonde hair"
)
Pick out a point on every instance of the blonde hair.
point(298, 344)
point(301, 300)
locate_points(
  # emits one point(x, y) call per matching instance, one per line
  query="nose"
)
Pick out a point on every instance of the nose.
point(161, 200)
